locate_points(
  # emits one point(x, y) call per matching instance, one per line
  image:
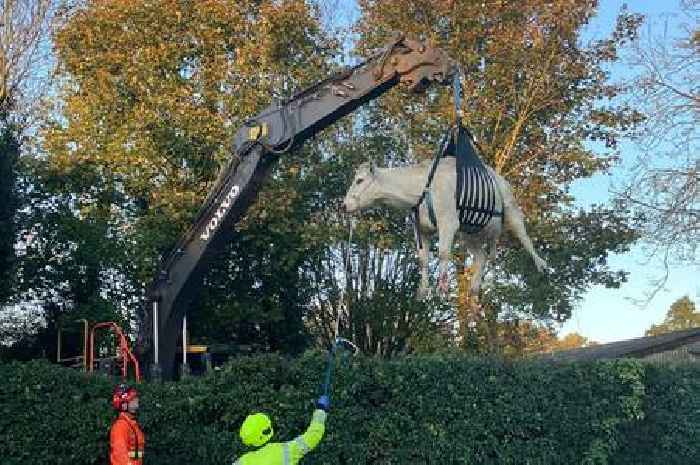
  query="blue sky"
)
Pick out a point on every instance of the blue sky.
point(607, 315)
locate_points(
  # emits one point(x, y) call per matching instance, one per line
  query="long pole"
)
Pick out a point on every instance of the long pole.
point(85, 344)
point(156, 359)
point(184, 341)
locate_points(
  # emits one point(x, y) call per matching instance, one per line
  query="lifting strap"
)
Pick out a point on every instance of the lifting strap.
point(475, 193)
point(425, 195)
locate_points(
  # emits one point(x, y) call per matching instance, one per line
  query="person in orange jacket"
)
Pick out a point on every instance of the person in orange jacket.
point(126, 438)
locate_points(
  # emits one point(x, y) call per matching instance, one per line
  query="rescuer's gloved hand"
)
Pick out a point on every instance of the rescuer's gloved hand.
point(324, 403)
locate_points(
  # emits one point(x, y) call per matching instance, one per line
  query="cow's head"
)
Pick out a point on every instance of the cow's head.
point(363, 191)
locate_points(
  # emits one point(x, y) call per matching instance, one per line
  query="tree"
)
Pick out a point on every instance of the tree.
point(257, 295)
point(25, 26)
point(298, 262)
point(573, 341)
point(663, 186)
point(532, 97)
point(70, 262)
point(151, 93)
point(516, 339)
point(681, 315)
point(361, 273)
point(9, 154)
point(367, 291)
point(23, 29)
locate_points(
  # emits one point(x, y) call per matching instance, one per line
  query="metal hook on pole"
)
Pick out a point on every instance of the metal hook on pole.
point(341, 344)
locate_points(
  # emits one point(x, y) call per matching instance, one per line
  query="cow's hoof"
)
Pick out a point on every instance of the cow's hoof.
point(422, 293)
point(443, 286)
point(541, 265)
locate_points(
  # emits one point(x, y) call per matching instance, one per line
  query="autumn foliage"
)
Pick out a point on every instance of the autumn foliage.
point(150, 94)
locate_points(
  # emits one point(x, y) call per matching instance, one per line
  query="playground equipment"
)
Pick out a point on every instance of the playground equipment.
point(107, 364)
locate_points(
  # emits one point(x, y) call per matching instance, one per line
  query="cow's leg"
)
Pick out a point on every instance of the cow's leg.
point(478, 262)
point(491, 249)
point(515, 222)
point(490, 254)
point(447, 233)
point(423, 261)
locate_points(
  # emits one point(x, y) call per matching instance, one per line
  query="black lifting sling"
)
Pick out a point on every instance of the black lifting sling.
point(475, 191)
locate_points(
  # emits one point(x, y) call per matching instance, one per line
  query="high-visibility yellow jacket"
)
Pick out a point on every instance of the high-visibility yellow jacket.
point(288, 453)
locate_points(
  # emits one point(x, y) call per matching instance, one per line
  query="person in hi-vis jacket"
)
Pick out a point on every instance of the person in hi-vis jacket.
point(126, 439)
point(257, 430)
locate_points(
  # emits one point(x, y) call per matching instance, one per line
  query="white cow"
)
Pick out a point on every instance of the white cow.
point(401, 188)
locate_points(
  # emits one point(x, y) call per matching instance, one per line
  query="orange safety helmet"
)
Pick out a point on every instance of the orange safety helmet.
point(123, 394)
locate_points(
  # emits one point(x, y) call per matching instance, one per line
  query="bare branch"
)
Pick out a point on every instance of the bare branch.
point(25, 52)
point(663, 188)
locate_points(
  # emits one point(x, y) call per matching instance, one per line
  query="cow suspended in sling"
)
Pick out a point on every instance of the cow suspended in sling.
point(477, 203)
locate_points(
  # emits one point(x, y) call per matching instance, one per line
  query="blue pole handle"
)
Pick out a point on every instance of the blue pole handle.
point(329, 371)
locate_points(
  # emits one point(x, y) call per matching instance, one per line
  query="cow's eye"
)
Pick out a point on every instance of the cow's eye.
point(359, 181)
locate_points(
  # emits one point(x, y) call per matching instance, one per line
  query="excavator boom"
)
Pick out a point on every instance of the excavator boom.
point(280, 128)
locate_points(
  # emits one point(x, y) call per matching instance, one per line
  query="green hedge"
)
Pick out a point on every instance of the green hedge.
point(417, 410)
point(670, 432)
